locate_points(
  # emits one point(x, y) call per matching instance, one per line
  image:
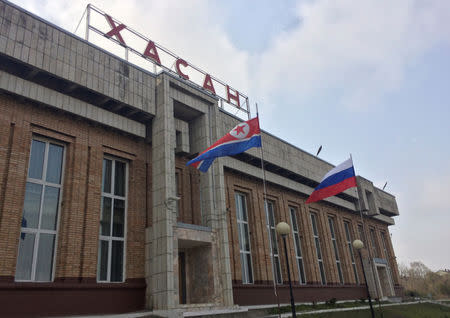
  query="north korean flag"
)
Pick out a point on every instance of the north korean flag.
point(244, 136)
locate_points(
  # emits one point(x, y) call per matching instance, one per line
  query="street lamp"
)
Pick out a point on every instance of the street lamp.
point(359, 245)
point(283, 229)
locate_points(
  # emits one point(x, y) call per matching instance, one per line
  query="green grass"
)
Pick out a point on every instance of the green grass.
point(327, 305)
point(424, 310)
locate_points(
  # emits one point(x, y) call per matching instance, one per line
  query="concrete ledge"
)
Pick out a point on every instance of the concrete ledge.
point(193, 227)
point(44, 95)
point(45, 46)
point(190, 235)
point(384, 218)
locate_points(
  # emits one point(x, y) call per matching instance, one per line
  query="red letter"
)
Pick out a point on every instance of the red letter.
point(153, 55)
point(177, 66)
point(115, 30)
point(234, 97)
point(208, 84)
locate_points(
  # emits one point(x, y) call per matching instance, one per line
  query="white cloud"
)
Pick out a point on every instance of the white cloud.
point(420, 232)
point(435, 192)
point(360, 48)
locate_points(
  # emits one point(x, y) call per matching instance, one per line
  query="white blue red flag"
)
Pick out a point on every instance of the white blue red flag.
point(335, 181)
point(244, 136)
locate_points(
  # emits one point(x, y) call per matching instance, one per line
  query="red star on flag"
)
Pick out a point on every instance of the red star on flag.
point(239, 129)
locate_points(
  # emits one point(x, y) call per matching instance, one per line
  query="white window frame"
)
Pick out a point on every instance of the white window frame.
point(383, 240)
point(335, 245)
point(246, 279)
point(316, 237)
point(272, 229)
point(39, 231)
point(373, 241)
point(299, 258)
point(348, 237)
point(111, 238)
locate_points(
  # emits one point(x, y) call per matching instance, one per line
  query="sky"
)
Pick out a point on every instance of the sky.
point(368, 77)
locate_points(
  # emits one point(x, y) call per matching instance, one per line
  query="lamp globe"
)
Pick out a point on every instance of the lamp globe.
point(283, 228)
point(358, 244)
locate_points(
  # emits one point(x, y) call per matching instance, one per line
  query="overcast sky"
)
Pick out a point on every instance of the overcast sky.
point(367, 77)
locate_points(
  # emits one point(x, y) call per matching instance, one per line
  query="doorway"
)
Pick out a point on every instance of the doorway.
point(384, 281)
point(182, 276)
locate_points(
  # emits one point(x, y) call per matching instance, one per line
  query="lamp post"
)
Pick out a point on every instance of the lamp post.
point(283, 229)
point(358, 245)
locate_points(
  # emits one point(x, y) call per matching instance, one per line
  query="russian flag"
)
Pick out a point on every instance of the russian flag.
point(244, 136)
point(335, 181)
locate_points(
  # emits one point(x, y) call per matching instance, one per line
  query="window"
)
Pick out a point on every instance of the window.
point(374, 245)
point(335, 248)
point(270, 215)
point(383, 240)
point(111, 252)
point(349, 241)
point(244, 238)
point(298, 245)
point(318, 250)
point(43, 189)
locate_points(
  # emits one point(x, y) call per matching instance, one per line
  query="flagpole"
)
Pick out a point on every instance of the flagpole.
point(366, 239)
point(212, 174)
point(267, 220)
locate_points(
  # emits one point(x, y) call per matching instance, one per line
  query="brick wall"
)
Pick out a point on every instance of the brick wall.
point(86, 144)
point(283, 199)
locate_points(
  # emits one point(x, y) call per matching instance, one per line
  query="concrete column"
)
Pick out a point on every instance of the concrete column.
point(200, 138)
point(217, 220)
point(163, 177)
point(223, 245)
point(204, 131)
point(369, 268)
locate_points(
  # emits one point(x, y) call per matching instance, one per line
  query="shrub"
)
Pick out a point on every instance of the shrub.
point(445, 288)
point(412, 293)
point(331, 302)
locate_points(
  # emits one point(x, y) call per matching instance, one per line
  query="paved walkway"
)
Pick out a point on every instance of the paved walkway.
point(243, 309)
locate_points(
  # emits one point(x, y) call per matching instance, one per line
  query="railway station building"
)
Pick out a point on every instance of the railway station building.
point(100, 214)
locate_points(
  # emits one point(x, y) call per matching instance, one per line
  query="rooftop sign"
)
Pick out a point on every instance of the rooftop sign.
point(161, 58)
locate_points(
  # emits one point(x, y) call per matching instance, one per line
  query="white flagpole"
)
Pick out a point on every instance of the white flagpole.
point(267, 219)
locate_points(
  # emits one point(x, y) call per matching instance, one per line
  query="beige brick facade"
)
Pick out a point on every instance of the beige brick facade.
point(86, 145)
point(284, 199)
